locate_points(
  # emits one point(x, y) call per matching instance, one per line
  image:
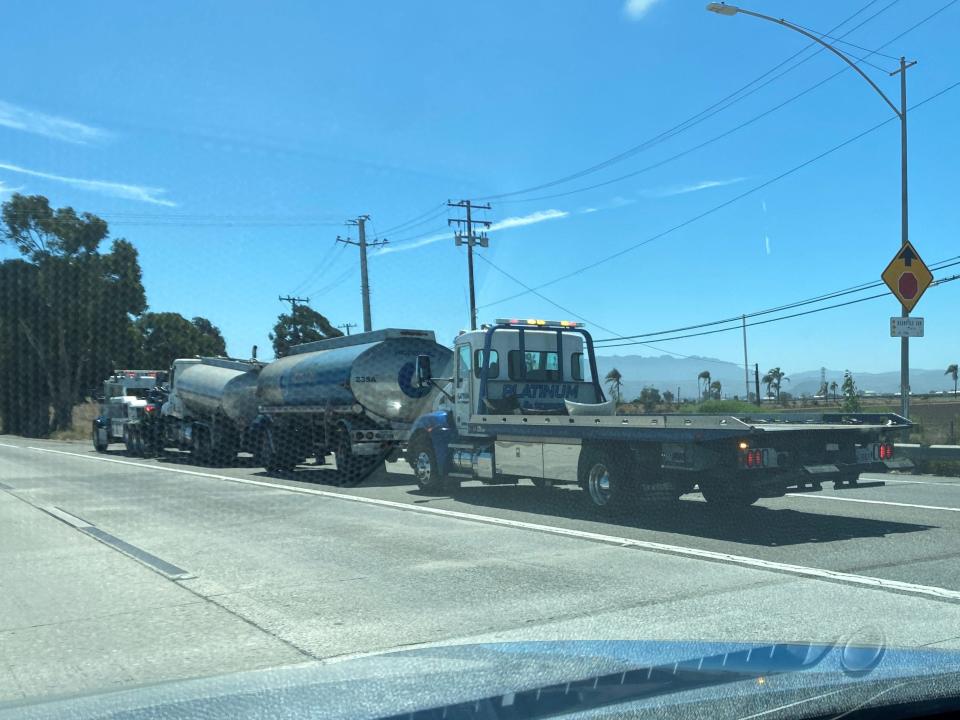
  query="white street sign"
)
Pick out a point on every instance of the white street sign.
point(906, 327)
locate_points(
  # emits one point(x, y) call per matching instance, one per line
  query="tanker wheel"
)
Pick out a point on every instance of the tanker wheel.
point(200, 447)
point(272, 459)
point(224, 445)
point(352, 469)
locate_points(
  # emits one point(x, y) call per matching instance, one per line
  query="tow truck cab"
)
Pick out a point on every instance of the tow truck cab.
point(524, 367)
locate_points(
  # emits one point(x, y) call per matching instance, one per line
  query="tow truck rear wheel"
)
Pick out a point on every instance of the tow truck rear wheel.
point(606, 482)
point(726, 493)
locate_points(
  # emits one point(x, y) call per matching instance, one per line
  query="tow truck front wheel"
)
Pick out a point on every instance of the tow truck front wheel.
point(426, 469)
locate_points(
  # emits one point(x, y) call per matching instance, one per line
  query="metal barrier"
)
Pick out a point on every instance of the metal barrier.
point(921, 453)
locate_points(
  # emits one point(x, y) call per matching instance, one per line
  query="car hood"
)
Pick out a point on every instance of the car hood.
point(546, 679)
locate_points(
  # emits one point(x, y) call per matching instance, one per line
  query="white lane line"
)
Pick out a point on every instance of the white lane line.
point(922, 482)
point(680, 550)
point(872, 502)
point(9, 445)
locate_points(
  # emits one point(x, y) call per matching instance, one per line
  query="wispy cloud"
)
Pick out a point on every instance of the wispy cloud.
point(507, 223)
point(636, 9)
point(691, 188)
point(51, 126)
point(7, 190)
point(766, 243)
point(142, 193)
point(532, 219)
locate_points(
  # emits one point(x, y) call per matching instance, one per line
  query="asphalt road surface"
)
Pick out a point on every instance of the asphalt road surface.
point(117, 571)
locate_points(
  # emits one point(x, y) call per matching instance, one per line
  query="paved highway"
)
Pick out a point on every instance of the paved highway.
point(117, 571)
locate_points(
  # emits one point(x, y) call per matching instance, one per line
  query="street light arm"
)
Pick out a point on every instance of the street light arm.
point(828, 46)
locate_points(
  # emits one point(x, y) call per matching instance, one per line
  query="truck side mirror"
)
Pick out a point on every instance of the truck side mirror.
point(422, 370)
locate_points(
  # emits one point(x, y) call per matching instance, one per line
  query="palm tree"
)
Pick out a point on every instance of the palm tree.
point(768, 381)
point(952, 371)
point(705, 378)
point(833, 389)
point(715, 388)
point(776, 377)
point(615, 380)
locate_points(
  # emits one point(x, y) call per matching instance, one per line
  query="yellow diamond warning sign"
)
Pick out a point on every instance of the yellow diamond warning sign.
point(907, 276)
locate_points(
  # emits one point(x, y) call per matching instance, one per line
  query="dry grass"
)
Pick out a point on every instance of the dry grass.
point(83, 415)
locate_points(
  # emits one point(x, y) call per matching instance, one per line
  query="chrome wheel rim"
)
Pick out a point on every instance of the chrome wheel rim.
point(598, 484)
point(424, 470)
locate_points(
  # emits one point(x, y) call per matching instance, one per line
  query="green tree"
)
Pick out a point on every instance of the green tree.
point(953, 372)
point(24, 393)
point(851, 398)
point(79, 323)
point(704, 380)
point(667, 397)
point(166, 336)
point(649, 398)
point(301, 325)
point(833, 389)
point(614, 381)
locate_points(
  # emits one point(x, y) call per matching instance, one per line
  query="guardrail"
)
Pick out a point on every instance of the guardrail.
point(922, 453)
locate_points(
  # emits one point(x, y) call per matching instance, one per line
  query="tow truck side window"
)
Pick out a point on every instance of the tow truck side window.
point(494, 371)
point(576, 366)
point(535, 365)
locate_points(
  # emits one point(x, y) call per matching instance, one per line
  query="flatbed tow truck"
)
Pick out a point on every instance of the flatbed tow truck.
point(527, 402)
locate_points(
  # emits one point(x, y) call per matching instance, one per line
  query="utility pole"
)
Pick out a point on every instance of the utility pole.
point(756, 377)
point(346, 327)
point(470, 239)
point(746, 366)
point(360, 222)
point(293, 301)
point(904, 230)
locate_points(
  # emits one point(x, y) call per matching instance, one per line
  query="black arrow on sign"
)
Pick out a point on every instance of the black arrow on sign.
point(908, 256)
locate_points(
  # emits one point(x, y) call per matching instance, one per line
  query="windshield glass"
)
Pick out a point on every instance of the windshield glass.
point(520, 345)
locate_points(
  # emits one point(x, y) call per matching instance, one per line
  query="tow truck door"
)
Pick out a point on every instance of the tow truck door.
point(463, 384)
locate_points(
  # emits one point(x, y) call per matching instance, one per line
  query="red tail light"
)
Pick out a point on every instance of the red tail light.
point(149, 409)
point(752, 458)
point(886, 451)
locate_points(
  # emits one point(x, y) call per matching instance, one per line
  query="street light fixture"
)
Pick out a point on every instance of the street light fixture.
point(730, 10)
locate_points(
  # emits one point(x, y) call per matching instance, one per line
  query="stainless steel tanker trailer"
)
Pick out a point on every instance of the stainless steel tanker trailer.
point(210, 410)
point(355, 396)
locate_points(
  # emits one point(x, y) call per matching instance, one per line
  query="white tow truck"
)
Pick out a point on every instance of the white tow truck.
point(527, 402)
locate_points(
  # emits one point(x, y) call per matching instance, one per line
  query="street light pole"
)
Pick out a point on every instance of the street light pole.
point(729, 10)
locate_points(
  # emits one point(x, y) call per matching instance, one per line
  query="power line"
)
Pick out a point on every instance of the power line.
point(726, 203)
point(434, 212)
point(699, 117)
point(950, 262)
point(736, 128)
point(566, 310)
point(783, 317)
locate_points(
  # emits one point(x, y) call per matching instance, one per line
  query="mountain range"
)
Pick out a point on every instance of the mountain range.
point(670, 373)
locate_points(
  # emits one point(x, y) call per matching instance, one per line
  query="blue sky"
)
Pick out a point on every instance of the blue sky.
point(229, 141)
